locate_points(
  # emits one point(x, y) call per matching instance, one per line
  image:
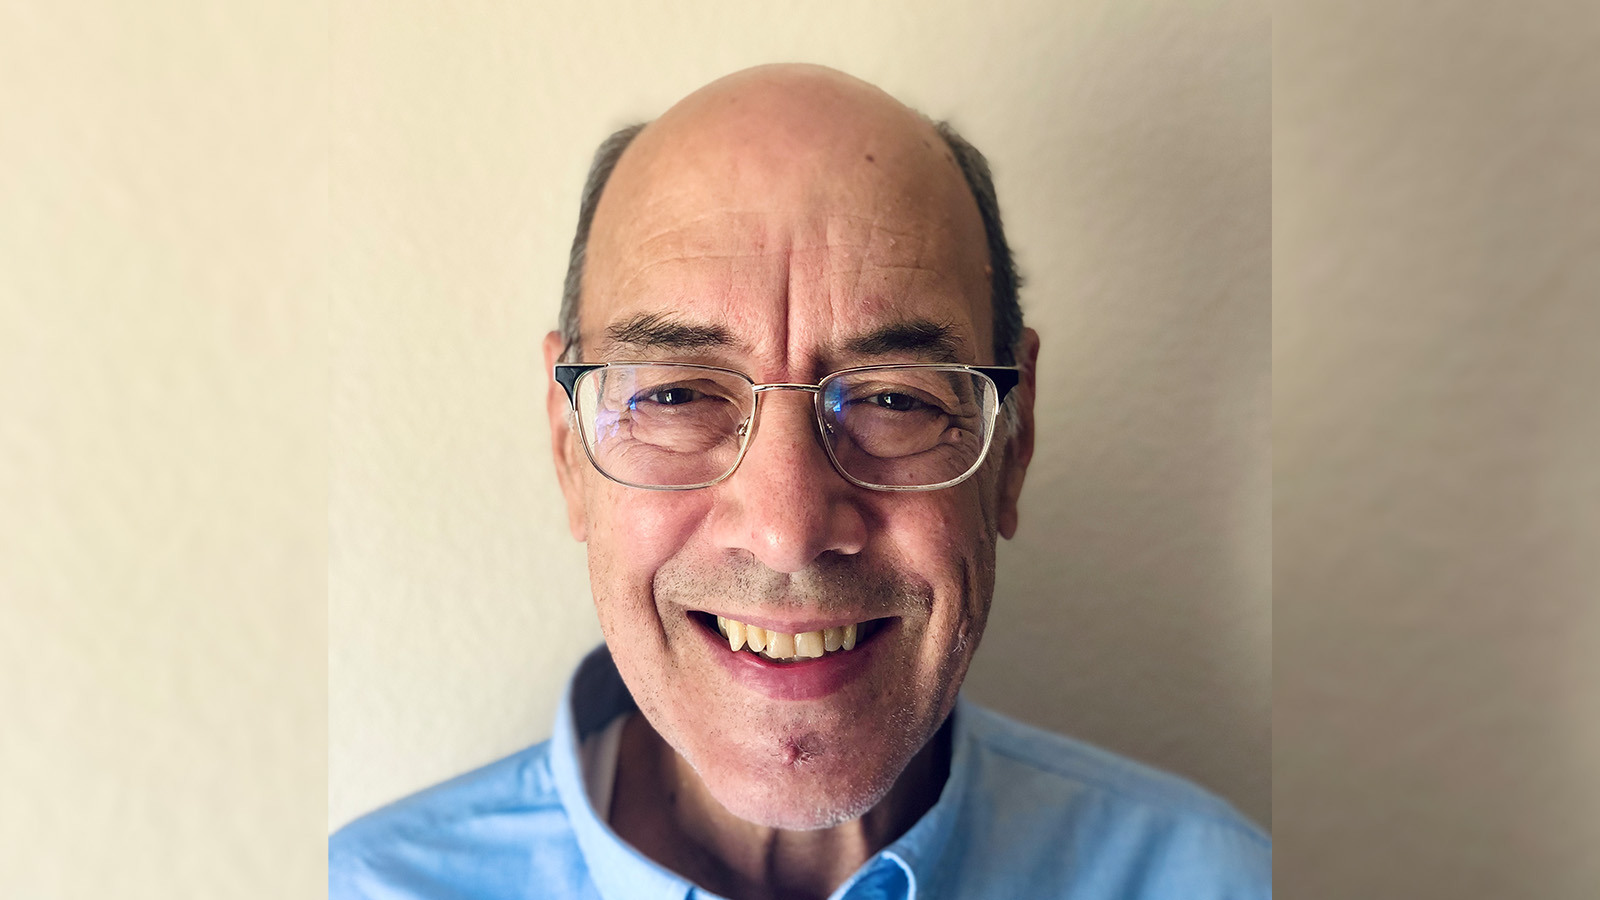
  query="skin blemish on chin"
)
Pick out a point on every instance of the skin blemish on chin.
point(870, 158)
point(797, 751)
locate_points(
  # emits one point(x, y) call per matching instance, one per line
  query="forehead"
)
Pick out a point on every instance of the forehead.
point(793, 232)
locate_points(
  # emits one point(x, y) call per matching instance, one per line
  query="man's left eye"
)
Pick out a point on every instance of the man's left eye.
point(895, 402)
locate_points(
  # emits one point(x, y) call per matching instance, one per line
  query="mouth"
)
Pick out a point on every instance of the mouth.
point(790, 647)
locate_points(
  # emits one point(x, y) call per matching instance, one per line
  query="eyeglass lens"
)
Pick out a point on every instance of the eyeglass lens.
point(686, 426)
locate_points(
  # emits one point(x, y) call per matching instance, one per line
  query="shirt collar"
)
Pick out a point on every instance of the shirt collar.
point(923, 852)
point(596, 695)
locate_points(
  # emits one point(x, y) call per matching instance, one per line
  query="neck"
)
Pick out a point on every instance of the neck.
point(663, 808)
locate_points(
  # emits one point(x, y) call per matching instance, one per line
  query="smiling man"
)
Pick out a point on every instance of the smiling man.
point(792, 410)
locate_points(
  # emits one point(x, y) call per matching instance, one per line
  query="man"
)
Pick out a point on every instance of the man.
point(792, 409)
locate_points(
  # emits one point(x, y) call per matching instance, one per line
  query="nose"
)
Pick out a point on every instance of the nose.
point(785, 504)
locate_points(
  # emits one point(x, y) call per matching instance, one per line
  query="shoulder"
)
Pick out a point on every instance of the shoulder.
point(482, 834)
point(1078, 814)
point(1060, 765)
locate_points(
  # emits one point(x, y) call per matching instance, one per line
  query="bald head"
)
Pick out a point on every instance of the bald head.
point(826, 131)
point(809, 140)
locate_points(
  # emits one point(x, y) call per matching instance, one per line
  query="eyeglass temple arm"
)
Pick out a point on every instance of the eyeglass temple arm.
point(1004, 377)
point(567, 375)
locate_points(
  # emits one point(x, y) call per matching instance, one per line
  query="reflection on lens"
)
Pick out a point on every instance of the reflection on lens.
point(663, 425)
point(908, 427)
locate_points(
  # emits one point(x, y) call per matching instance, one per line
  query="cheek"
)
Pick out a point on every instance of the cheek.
point(939, 531)
point(949, 541)
point(632, 533)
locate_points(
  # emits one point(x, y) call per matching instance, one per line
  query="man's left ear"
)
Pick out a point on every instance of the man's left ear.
point(1019, 445)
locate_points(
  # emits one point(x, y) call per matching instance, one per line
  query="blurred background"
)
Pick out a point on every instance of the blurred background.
point(278, 534)
point(1130, 145)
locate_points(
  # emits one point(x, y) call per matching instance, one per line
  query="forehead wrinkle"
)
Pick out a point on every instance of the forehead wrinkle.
point(694, 238)
point(699, 278)
point(830, 248)
point(862, 300)
point(640, 271)
point(703, 232)
point(880, 235)
point(889, 246)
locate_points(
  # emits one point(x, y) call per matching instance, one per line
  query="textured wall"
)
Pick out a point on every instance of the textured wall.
point(166, 255)
point(1130, 143)
point(163, 235)
point(1436, 427)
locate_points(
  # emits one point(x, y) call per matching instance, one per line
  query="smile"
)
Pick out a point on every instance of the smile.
point(784, 667)
point(782, 646)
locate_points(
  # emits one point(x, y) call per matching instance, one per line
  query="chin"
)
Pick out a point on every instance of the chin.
point(798, 803)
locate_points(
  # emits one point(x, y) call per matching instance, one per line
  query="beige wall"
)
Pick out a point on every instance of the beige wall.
point(194, 201)
point(272, 279)
point(163, 395)
point(1436, 386)
point(1130, 143)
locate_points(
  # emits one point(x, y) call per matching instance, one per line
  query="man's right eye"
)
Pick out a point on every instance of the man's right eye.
point(669, 396)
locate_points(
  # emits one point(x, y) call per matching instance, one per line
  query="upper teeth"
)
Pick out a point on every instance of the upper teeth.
point(782, 645)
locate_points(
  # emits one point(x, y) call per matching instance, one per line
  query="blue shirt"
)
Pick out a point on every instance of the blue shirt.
point(1023, 814)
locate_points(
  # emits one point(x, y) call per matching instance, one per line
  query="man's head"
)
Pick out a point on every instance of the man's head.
point(788, 222)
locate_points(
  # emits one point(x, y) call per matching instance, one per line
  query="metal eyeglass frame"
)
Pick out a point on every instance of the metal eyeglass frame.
point(1004, 378)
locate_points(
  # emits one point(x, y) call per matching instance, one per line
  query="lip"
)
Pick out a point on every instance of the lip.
point(810, 679)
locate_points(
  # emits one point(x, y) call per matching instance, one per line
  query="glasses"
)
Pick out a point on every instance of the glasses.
point(678, 427)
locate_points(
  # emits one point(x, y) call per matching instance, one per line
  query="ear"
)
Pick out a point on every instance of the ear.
point(1019, 445)
point(571, 464)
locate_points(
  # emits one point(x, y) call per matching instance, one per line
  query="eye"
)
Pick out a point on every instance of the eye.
point(670, 396)
point(895, 402)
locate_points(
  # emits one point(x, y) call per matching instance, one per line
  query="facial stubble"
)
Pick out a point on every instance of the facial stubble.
point(821, 772)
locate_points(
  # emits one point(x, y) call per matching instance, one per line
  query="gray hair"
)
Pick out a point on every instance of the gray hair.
point(1004, 282)
point(605, 160)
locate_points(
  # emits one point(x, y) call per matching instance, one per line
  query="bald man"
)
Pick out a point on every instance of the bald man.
point(791, 407)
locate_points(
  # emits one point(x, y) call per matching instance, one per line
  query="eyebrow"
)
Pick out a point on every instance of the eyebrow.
point(659, 331)
point(920, 336)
